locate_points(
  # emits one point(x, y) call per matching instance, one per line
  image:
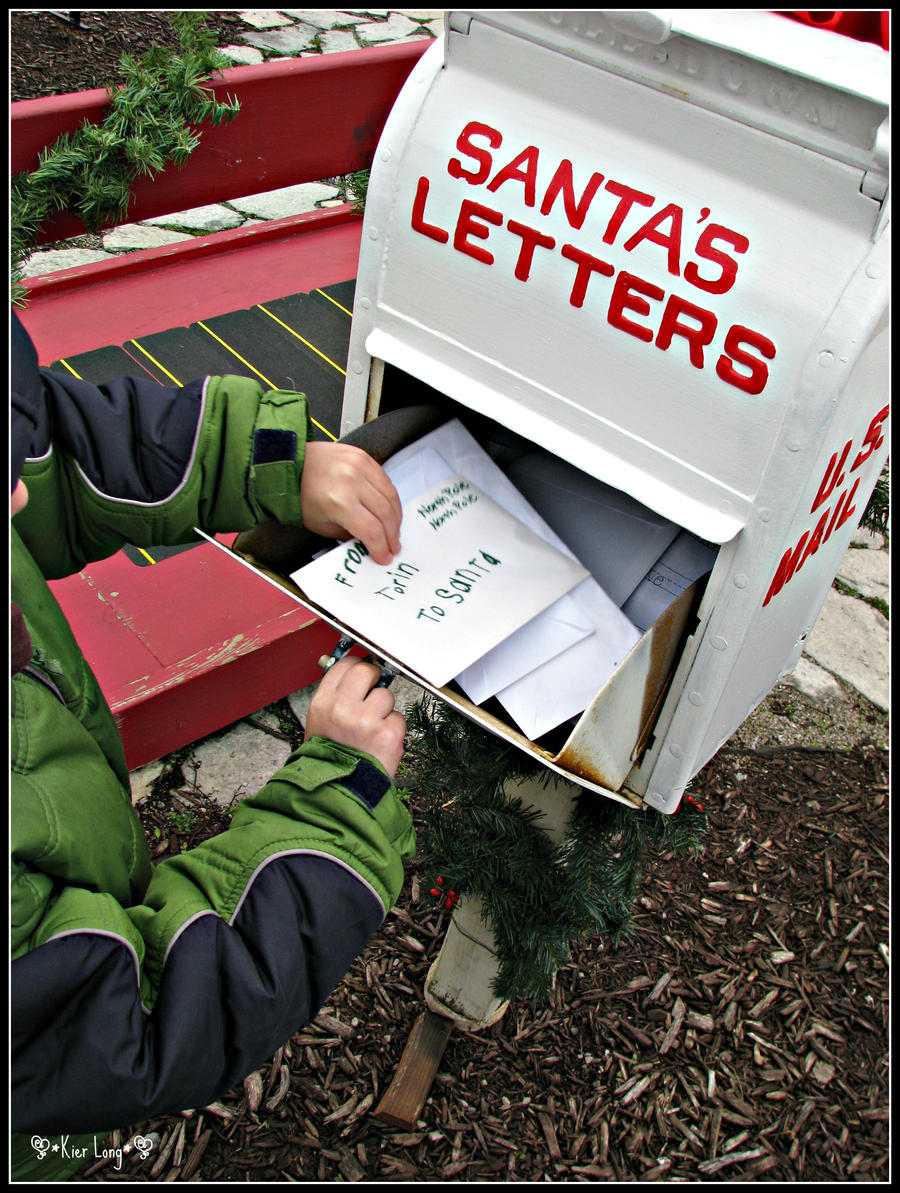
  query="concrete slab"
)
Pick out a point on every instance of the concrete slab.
point(326, 18)
point(144, 777)
point(288, 200)
point(242, 55)
point(338, 41)
point(852, 641)
point(864, 537)
point(263, 18)
point(814, 681)
point(867, 572)
point(214, 217)
point(236, 762)
point(292, 39)
point(395, 28)
point(129, 237)
point(54, 259)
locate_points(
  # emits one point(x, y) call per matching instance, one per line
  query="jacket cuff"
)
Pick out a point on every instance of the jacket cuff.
point(250, 454)
point(276, 464)
point(363, 777)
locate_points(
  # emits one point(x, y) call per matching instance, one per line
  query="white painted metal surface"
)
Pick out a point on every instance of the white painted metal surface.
point(657, 244)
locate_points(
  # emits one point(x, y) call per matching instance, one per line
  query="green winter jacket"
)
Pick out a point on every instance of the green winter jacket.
point(139, 991)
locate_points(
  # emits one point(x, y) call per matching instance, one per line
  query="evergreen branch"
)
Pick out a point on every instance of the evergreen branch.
point(539, 898)
point(147, 124)
point(878, 511)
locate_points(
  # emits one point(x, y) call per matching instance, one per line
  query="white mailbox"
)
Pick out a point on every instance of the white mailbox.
point(656, 246)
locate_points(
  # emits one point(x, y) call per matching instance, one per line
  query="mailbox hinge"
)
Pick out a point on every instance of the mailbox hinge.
point(459, 22)
point(875, 180)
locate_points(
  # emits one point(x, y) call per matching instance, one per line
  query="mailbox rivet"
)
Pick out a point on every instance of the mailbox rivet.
point(765, 515)
point(385, 155)
point(676, 751)
point(741, 580)
point(794, 445)
point(718, 643)
point(826, 359)
point(373, 234)
point(365, 303)
point(357, 366)
point(874, 270)
point(696, 698)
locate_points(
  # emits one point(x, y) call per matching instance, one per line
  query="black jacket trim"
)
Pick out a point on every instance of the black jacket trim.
point(86, 1055)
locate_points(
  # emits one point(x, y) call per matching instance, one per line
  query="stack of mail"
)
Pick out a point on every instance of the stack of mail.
point(549, 669)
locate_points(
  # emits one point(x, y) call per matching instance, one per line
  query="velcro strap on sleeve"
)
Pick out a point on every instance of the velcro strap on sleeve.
point(367, 782)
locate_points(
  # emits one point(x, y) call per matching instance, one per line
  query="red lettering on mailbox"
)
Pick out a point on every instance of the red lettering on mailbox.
point(456, 169)
point(728, 265)
point(587, 264)
point(834, 476)
point(671, 240)
point(789, 564)
point(873, 439)
point(626, 297)
point(628, 196)
point(418, 215)
point(467, 225)
point(563, 183)
point(755, 381)
point(620, 218)
point(531, 239)
point(833, 518)
point(522, 168)
point(697, 337)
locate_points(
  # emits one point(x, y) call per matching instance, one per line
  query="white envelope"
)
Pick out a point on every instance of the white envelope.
point(565, 685)
point(469, 575)
point(551, 668)
point(413, 471)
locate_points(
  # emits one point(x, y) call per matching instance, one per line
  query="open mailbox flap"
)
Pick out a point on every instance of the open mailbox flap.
point(605, 742)
point(606, 683)
point(623, 263)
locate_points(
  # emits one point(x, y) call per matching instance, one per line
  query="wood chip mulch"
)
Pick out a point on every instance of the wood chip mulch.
point(739, 1034)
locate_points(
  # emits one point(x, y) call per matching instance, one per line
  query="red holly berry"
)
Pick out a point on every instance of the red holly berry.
point(434, 892)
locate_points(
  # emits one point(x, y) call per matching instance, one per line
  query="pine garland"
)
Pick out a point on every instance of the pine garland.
point(356, 186)
point(878, 511)
point(148, 124)
point(540, 898)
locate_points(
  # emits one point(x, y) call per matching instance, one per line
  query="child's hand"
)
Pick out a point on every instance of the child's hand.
point(344, 493)
point(349, 709)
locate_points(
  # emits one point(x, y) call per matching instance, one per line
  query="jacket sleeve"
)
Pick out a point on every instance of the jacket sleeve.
point(122, 1013)
point(133, 461)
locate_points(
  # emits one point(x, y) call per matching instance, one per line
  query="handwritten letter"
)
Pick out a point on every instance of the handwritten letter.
point(469, 574)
